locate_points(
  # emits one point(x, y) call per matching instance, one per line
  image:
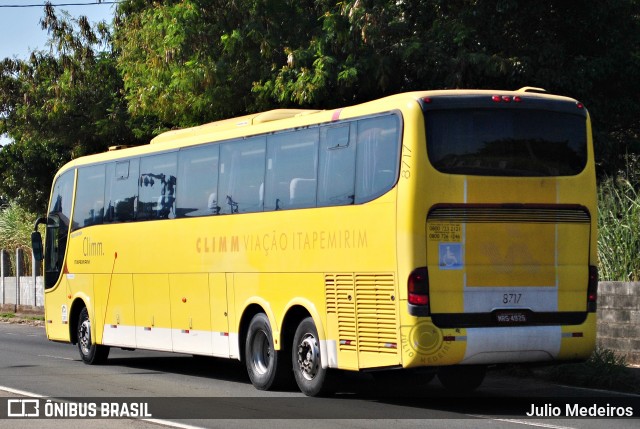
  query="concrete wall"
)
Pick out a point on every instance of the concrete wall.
point(619, 319)
point(28, 290)
point(18, 292)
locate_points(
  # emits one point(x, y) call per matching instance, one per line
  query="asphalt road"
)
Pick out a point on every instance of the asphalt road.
point(184, 391)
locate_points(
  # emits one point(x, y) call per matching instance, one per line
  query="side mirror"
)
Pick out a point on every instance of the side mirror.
point(36, 240)
point(36, 245)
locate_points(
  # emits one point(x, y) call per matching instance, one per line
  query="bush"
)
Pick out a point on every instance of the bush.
point(619, 229)
point(16, 225)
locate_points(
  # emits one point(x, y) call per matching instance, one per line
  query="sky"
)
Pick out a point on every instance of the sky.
point(20, 31)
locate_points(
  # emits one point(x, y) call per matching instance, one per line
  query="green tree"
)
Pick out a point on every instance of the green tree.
point(354, 55)
point(177, 63)
point(193, 61)
point(370, 48)
point(589, 50)
point(59, 105)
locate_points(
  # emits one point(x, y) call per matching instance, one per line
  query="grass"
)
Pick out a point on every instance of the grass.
point(9, 315)
point(619, 224)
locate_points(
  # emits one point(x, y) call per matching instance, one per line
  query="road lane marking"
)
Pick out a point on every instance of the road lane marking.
point(172, 424)
point(20, 392)
point(56, 357)
point(522, 422)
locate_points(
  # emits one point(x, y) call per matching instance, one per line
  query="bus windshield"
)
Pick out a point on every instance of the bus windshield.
point(505, 142)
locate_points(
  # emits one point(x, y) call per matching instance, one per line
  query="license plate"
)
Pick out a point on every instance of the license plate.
point(511, 317)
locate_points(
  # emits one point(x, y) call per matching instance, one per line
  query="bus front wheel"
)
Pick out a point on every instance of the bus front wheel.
point(311, 377)
point(265, 365)
point(90, 353)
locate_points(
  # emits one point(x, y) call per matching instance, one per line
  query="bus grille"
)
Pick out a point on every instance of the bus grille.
point(365, 306)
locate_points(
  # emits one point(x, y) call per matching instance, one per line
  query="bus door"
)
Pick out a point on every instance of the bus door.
point(56, 307)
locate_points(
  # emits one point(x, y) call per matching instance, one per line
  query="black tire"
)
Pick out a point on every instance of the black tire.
point(90, 353)
point(311, 377)
point(462, 378)
point(267, 368)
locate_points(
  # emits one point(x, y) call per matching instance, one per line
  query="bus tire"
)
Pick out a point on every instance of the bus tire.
point(265, 365)
point(462, 378)
point(311, 377)
point(90, 352)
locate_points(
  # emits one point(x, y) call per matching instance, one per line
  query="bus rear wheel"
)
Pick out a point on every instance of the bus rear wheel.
point(90, 353)
point(311, 377)
point(267, 367)
point(462, 378)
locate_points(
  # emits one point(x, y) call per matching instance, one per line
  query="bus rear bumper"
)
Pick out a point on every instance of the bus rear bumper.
point(424, 344)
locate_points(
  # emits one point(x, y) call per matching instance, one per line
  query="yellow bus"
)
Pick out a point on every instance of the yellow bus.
point(435, 231)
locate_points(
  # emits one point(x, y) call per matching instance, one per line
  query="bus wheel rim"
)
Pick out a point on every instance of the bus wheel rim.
point(84, 337)
point(261, 352)
point(308, 357)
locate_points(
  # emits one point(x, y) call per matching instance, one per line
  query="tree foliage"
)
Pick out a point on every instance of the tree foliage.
point(58, 105)
point(191, 61)
point(176, 63)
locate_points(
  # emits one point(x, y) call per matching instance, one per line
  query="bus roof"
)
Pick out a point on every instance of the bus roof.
point(233, 123)
point(269, 121)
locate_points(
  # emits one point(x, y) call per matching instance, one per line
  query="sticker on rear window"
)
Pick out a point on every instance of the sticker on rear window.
point(450, 256)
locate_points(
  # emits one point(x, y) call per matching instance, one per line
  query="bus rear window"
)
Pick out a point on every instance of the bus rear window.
point(505, 142)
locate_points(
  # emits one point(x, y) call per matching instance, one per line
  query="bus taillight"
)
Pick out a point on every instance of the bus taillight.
point(592, 289)
point(418, 287)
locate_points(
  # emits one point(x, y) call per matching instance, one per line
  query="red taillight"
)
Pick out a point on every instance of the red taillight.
point(418, 287)
point(505, 99)
point(427, 100)
point(592, 289)
point(579, 105)
point(418, 299)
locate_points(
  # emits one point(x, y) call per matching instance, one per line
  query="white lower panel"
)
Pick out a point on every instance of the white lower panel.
point(164, 339)
point(192, 341)
point(234, 346)
point(329, 353)
point(512, 344)
point(220, 343)
point(153, 338)
point(119, 336)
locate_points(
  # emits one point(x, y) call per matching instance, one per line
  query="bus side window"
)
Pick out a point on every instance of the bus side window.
point(89, 205)
point(157, 187)
point(198, 181)
point(242, 165)
point(377, 156)
point(336, 175)
point(292, 162)
point(123, 186)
